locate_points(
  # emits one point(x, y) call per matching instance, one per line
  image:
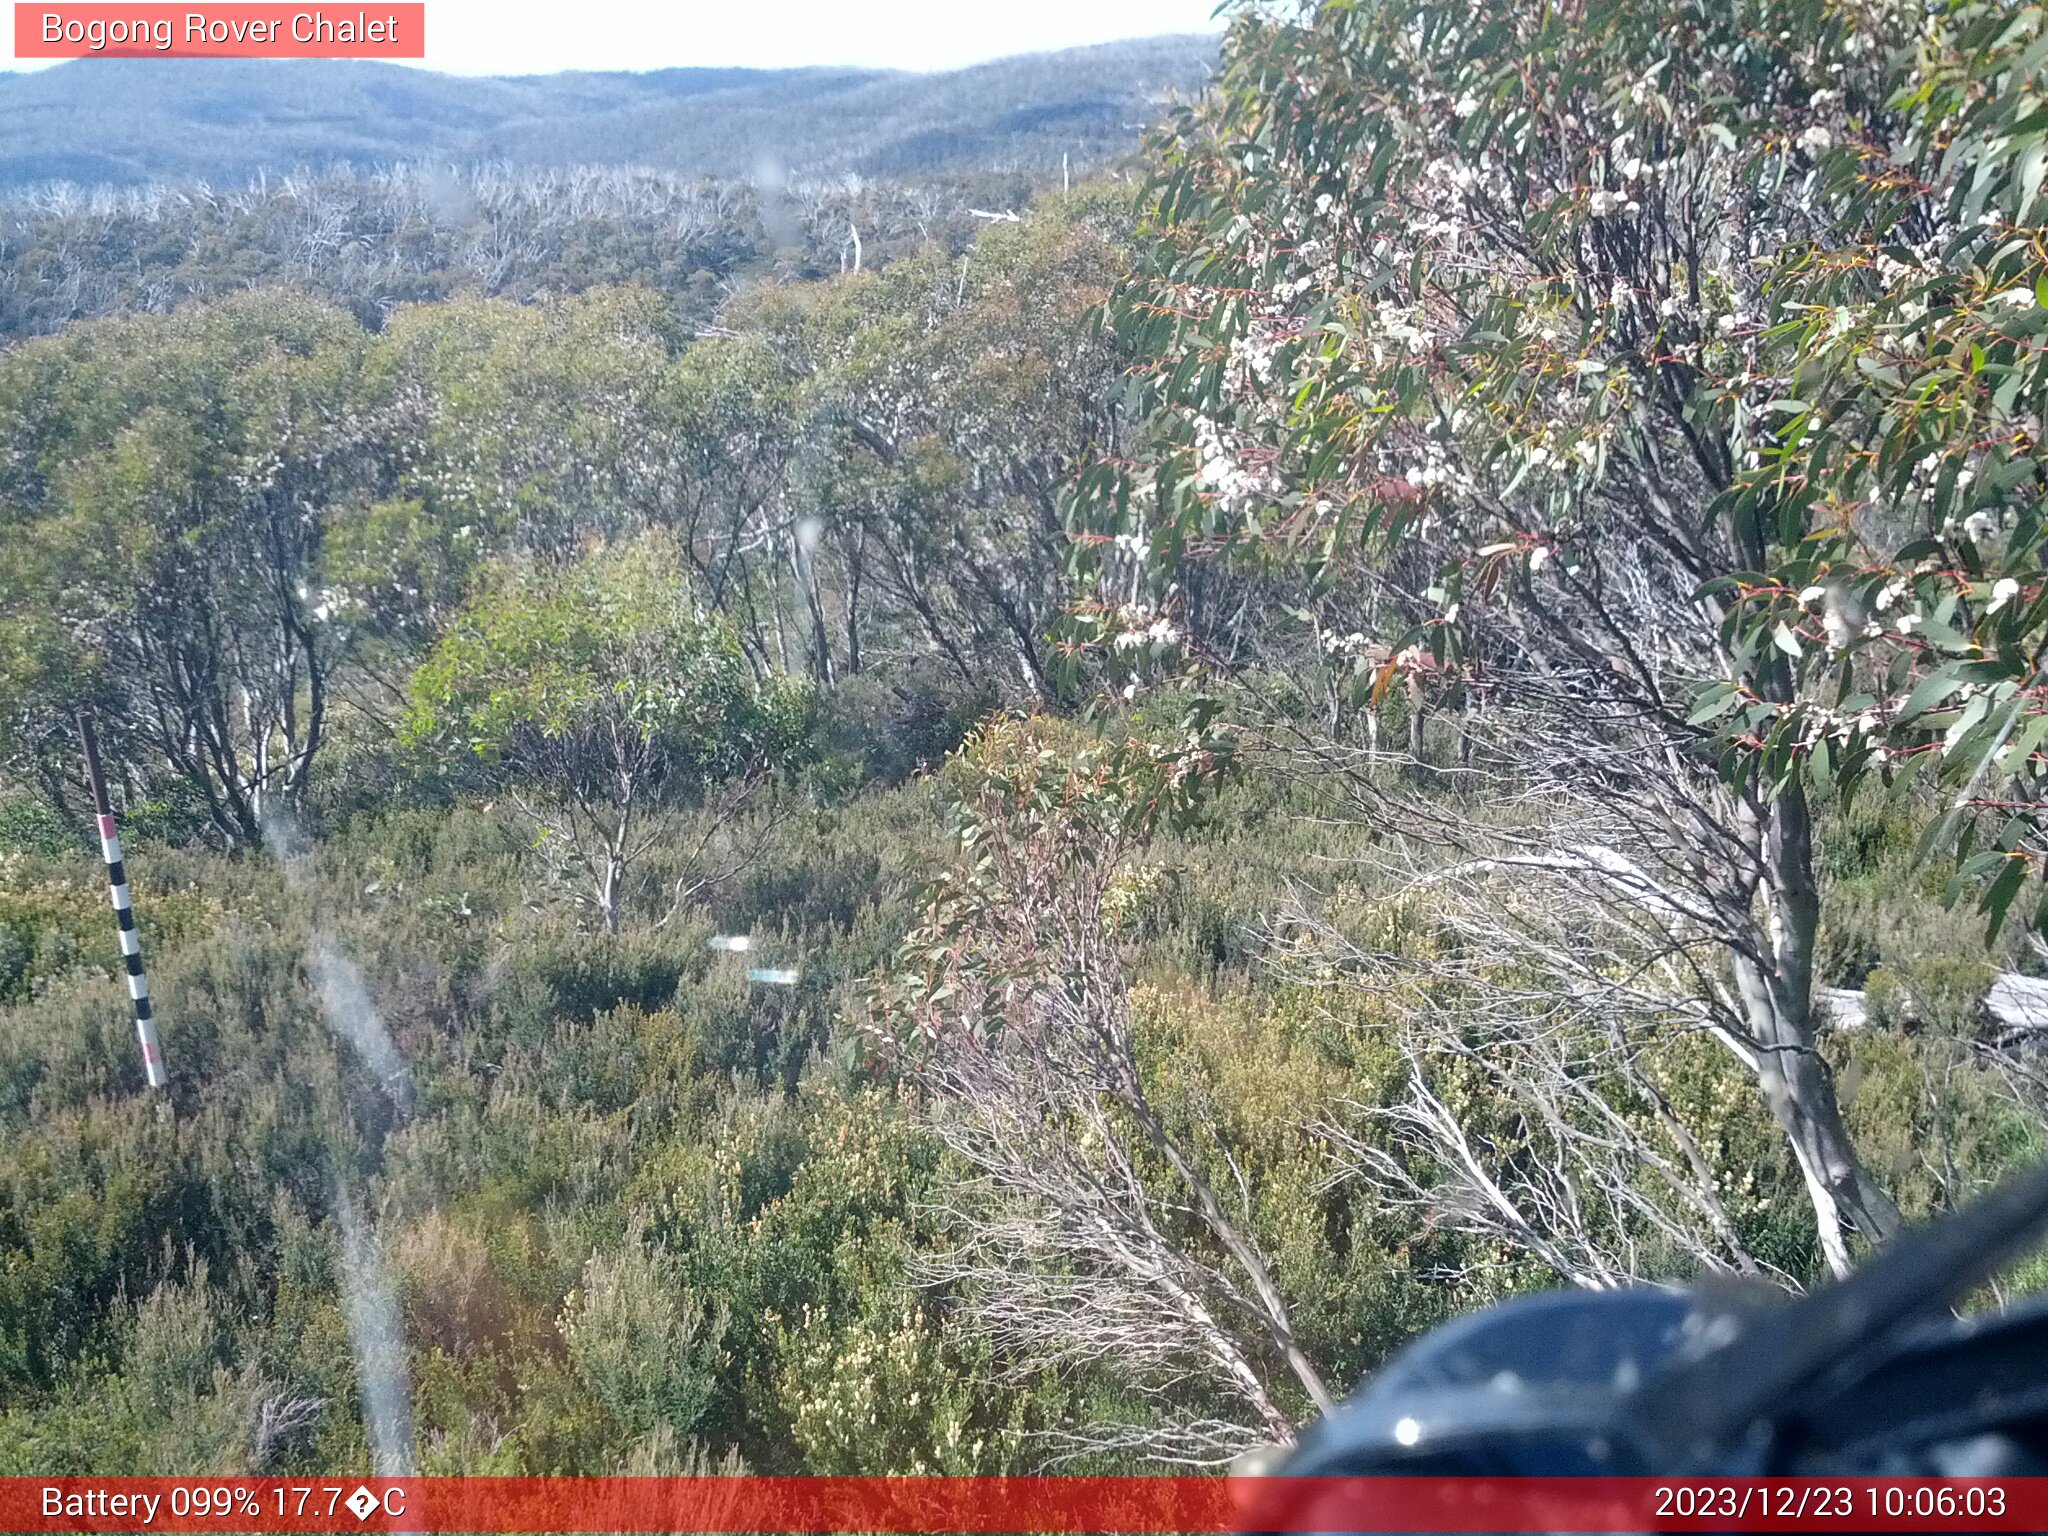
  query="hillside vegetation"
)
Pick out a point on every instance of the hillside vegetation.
point(370, 241)
point(128, 122)
point(372, 185)
point(1034, 851)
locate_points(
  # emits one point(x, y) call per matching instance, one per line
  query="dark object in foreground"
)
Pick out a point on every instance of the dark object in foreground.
point(1872, 1376)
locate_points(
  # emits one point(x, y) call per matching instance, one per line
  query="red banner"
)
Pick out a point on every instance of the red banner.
point(1124, 1505)
point(229, 31)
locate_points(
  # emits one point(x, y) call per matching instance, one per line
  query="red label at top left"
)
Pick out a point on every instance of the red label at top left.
point(240, 30)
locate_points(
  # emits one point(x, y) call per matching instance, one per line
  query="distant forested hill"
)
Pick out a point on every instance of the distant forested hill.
point(130, 121)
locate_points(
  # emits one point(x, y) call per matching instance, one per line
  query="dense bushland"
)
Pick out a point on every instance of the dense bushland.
point(1037, 853)
point(372, 240)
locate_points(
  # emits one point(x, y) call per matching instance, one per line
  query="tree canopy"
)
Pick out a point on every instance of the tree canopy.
point(607, 690)
point(1516, 355)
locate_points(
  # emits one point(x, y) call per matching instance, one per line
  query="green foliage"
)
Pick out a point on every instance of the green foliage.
point(546, 663)
point(742, 610)
point(1045, 817)
point(1939, 992)
point(1649, 384)
point(605, 690)
point(1899, 479)
point(1244, 1077)
point(29, 826)
point(644, 1346)
point(166, 501)
point(898, 1396)
point(1938, 1149)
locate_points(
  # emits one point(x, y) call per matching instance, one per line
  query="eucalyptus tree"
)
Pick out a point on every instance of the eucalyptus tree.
point(946, 402)
point(1903, 478)
point(1468, 362)
point(531, 423)
point(168, 489)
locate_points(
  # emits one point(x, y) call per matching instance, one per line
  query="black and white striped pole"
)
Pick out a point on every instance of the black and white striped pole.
point(124, 909)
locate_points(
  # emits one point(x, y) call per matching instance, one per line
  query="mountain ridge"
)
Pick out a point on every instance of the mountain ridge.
point(231, 119)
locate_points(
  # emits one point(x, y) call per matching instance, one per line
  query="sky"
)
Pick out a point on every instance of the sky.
point(522, 37)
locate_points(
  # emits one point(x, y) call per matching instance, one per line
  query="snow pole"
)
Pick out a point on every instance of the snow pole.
point(124, 908)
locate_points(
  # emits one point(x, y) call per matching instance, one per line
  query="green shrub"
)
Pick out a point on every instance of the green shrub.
point(644, 1345)
point(29, 826)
